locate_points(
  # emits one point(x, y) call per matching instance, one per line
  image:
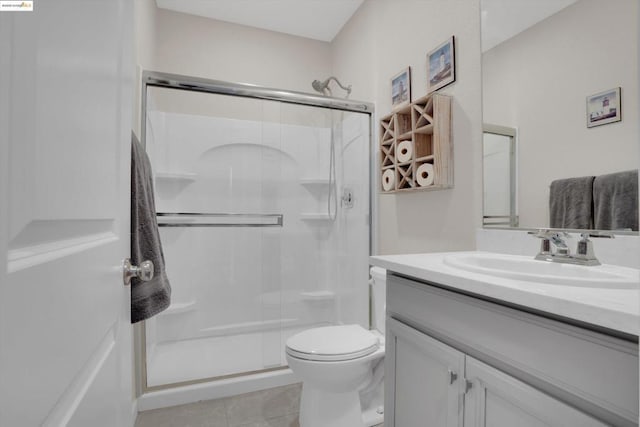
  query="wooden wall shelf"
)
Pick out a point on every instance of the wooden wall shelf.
point(416, 150)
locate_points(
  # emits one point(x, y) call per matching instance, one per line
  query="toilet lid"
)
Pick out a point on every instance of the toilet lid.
point(329, 343)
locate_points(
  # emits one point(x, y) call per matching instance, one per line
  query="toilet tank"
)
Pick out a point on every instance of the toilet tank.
point(378, 297)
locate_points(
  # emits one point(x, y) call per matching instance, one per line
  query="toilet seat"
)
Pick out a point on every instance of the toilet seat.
point(332, 343)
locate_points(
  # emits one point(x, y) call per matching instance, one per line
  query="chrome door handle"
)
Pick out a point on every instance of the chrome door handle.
point(143, 272)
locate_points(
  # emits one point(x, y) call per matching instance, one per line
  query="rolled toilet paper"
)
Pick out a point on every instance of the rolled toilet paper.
point(424, 175)
point(404, 151)
point(388, 180)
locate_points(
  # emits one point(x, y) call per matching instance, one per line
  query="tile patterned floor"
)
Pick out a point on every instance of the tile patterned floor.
point(276, 407)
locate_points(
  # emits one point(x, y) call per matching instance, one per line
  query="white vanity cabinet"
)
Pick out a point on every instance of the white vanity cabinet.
point(458, 360)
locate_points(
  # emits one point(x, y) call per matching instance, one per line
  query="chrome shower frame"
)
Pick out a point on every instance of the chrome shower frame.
point(197, 84)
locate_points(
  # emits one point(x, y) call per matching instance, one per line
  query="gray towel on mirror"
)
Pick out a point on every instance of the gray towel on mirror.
point(571, 203)
point(615, 198)
point(147, 298)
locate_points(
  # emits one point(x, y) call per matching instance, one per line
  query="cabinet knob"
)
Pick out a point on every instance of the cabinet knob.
point(453, 376)
point(468, 385)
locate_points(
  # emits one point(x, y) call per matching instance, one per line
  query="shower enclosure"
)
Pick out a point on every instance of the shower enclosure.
point(263, 201)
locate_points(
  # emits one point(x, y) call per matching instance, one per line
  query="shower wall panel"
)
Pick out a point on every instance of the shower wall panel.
point(239, 292)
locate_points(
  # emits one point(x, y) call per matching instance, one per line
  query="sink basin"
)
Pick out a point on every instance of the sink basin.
point(531, 270)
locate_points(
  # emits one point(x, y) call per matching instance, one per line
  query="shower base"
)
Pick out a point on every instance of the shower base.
point(214, 357)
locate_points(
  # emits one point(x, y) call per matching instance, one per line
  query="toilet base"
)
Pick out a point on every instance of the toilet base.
point(321, 409)
point(372, 405)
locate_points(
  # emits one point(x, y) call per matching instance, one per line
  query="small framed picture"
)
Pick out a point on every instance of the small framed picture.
point(441, 66)
point(401, 89)
point(604, 107)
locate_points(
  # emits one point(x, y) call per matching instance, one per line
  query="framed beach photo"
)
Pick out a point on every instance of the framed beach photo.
point(604, 108)
point(401, 89)
point(441, 66)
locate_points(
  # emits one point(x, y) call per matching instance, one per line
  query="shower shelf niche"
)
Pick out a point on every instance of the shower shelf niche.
point(178, 178)
point(318, 296)
point(317, 217)
point(424, 125)
point(314, 182)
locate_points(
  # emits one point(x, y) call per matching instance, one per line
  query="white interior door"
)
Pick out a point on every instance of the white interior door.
point(65, 119)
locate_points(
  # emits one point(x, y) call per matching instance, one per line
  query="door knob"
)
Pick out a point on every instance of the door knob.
point(143, 272)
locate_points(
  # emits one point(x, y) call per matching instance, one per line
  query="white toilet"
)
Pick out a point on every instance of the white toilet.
point(340, 367)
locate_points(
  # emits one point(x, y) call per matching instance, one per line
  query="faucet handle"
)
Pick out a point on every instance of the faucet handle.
point(546, 233)
point(584, 249)
point(545, 243)
point(540, 234)
point(550, 236)
point(598, 234)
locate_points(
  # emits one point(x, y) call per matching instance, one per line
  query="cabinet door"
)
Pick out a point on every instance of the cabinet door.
point(423, 380)
point(499, 400)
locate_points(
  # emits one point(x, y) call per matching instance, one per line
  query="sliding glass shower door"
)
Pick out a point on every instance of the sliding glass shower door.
point(264, 215)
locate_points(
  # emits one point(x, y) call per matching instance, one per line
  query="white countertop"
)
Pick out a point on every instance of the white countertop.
point(616, 309)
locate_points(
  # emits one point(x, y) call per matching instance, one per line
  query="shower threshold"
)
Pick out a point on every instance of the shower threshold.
point(217, 356)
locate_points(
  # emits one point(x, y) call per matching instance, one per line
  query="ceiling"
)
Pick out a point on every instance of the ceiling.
point(315, 19)
point(323, 19)
point(503, 19)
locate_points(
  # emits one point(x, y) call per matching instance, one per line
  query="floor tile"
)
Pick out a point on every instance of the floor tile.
point(286, 421)
point(263, 405)
point(209, 413)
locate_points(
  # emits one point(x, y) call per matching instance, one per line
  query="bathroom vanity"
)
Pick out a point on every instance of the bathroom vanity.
point(474, 340)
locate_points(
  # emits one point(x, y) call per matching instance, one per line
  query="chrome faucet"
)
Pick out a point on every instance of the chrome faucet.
point(556, 239)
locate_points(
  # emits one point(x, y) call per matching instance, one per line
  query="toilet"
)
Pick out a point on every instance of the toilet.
point(341, 368)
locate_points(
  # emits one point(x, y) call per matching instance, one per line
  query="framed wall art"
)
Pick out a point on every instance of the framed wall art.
point(604, 108)
point(401, 89)
point(441, 67)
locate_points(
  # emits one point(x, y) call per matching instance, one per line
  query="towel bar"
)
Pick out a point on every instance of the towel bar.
point(199, 219)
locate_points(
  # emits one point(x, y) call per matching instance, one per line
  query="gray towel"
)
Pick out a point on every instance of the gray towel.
point(147, 298)
point(571, 203)
point(615, 199)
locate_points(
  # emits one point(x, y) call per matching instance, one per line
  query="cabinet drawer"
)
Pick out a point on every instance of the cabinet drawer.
point(592, 371)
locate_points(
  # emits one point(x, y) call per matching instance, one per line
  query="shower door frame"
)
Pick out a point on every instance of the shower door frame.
point(198, 84)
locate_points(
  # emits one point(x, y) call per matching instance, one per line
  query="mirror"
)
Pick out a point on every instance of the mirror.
point(541, 61)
